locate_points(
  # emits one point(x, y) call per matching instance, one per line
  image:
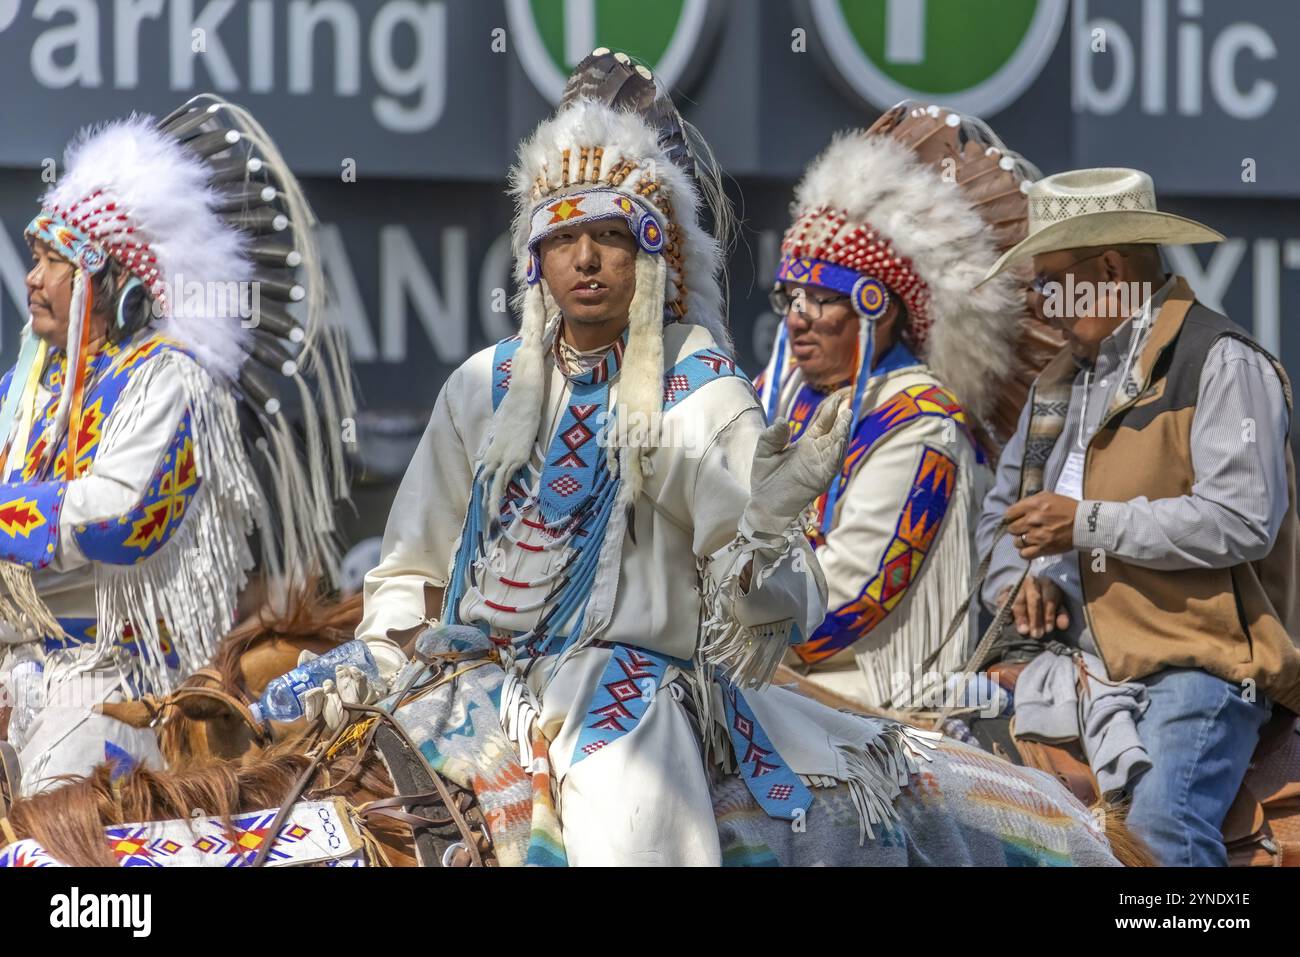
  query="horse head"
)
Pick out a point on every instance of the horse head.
point(207, 717)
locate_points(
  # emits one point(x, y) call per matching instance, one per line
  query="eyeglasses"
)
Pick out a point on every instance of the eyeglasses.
point(810, 307)
point(1041, 281)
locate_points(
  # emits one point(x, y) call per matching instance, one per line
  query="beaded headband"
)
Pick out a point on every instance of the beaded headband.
point(71, 243)
point(870, 296)
point(88, 233)
point(824, 236)
point(590, 206)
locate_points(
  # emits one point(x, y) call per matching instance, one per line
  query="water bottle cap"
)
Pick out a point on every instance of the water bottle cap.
point(255, 709)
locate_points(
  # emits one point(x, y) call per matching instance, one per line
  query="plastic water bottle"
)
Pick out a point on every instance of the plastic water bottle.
point(282, 700)
point(26, 691)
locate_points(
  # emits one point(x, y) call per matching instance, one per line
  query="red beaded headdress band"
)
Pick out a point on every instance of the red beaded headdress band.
point(100, 226)
point(826, 234)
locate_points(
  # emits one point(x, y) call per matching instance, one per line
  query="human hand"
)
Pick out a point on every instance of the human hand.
point(1042, 524)
point(1039, 608)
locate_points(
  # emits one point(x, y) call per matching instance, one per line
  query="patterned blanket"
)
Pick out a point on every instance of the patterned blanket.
point(457, 728)
point(963, 807)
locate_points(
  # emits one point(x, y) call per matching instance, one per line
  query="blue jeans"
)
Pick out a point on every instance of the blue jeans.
point(1200, 734)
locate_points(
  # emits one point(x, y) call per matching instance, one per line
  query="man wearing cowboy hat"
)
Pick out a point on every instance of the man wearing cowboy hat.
point(1148, 497)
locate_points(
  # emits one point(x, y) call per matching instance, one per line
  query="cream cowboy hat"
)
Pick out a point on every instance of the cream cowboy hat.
point(1098, 207)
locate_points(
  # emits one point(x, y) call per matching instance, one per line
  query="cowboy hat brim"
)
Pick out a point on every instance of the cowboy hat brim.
point(1111, 228)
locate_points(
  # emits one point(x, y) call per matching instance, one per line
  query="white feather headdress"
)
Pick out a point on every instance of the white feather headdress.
point(614, 150)
point(877, 203)
point(146, 199)
point(201, 211)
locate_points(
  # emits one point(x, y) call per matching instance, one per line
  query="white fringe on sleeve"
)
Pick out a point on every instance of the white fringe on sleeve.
point(192, 583)
point(749, 655)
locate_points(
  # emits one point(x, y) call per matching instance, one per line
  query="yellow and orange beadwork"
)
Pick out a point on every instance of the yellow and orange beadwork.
point(588, 171)
point(90, 420)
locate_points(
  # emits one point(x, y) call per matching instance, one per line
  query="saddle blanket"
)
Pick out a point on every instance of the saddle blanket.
point(315, 832)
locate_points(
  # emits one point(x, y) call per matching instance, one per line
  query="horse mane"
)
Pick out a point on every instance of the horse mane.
point(69, 821)
point(309, 615)
point(1127, 847)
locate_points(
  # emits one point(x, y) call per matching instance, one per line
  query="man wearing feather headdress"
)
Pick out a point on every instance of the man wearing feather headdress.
point(600, 496)
point(893, 229)
point(129, 485)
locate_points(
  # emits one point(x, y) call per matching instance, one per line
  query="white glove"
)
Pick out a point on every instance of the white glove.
point(351, 685)
point(785, 479)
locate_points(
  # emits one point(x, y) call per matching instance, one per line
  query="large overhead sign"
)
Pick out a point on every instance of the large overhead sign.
point(975, 56)
point(552, 36)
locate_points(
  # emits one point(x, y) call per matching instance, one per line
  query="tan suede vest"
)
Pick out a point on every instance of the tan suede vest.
point(1238, 623)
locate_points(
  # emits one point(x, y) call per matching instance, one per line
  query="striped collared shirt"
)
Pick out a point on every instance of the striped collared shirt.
point(1237, 502)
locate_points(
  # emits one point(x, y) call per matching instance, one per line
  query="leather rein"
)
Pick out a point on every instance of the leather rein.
point(158, 706)
point(393, 807)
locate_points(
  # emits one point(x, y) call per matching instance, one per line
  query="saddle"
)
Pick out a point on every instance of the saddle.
point(438, 840)
point(1262, 827)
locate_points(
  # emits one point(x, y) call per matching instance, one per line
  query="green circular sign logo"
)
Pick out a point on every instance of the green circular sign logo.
point(552, 36)
point(975, 56)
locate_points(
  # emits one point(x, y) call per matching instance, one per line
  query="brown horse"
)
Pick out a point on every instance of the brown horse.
point(220, 759)
point(441, 824)
point(69, 821)
point(207, 718)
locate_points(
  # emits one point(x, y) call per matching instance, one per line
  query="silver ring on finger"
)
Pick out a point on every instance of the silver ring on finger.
point(1023, 542)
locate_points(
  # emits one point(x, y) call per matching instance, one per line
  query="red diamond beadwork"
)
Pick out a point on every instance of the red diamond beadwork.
point(565, 485)
point(577, 435)
point(675, 384)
